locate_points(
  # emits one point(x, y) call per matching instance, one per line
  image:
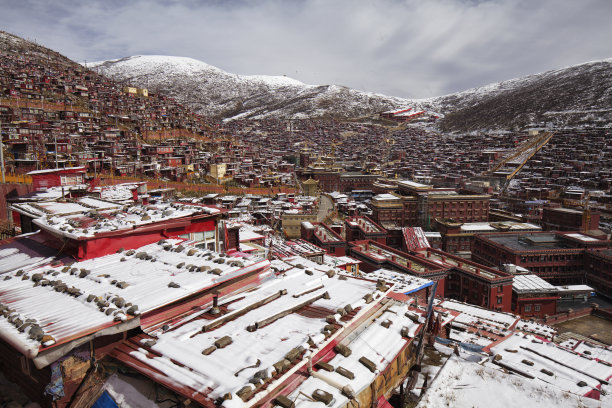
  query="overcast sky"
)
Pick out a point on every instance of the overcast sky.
point(401, 48)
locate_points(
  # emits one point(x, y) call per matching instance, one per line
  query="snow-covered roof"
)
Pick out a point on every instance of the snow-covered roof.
point(24, 252)
point(247, 234)
point(60, 208)
point(90, 223)
point(477, 226)
point(539, 329)
point(50, 193)
point(574, 288)
point(385, 196)
point(581, 237)
point(477, 312)
point(413, 184)
point(566, 369)
point(378, 343)
point(81, 168)
point(531, 283)
point(339, 260)
point(403, 283)
point(262, 327)
point(70, 301)
point(463, 382)
point(118, 192)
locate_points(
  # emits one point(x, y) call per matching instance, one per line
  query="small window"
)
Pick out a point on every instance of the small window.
point(536, 308)
point(527, 308)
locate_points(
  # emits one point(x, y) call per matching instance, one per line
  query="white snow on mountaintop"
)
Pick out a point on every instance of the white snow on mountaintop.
point(143, 65)
point(576, 94)
point(509, 84)
point(211, 91)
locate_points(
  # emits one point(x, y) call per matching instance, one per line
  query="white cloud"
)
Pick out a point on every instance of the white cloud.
point(403, 48)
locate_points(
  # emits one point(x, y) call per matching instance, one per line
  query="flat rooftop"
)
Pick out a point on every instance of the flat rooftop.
point(385, 196)
point(449, 261)
point(88, 221)
point(325, 234)
point(414, 185)
point(365, 224)
point(582, 237)
point(381, 254)
point(529, 242)
point(529, 283)
point(81, 205)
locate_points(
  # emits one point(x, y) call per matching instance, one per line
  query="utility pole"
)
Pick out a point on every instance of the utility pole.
point(2, 153)
point(55, 138)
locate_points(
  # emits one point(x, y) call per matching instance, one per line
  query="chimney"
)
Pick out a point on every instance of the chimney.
point(215, 306)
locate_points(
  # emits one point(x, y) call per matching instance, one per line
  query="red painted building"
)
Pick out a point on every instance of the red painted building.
point(457, 237)
point(472, 282)
point(533, 297)
point(559, 258)
point(567, 219)
point(359, 228)
point(376, 256)
point(324, 237)
point(335, 180)
point(599, 270)
point(85, 242)
point(57, 177)
point(423, 207)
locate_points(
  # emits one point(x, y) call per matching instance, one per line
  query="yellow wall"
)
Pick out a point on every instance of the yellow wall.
point(217, 171)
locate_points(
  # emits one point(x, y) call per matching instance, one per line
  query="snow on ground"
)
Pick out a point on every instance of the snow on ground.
point(551, 363)
point(132, 392)
point(468, 384)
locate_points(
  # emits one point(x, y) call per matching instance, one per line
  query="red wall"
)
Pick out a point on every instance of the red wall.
point(45, 180)
point(506, 305)
point(93, 248)
point(440, 288)
point(548, 306)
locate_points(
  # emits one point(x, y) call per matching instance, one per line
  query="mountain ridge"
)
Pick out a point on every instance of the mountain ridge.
point(253, 97)
point(562, 97)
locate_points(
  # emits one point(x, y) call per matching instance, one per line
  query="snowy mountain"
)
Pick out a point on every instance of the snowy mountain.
point(214, 92)
point(579, 95)
point(576, 95)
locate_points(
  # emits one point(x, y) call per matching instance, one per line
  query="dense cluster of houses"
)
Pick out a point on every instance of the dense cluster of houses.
point(55, 113)
point(395, 254)
point(115, 290)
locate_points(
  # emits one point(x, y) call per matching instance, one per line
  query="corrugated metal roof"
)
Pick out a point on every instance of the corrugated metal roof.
point(290, 311)
point(69, 302)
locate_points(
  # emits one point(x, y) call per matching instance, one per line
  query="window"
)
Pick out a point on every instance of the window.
point(527, 308)
point(536, 308)
point(71, 180)
point(499, 300)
